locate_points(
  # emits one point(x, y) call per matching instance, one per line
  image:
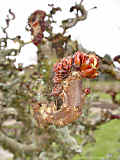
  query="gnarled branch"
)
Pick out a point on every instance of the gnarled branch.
point(71, 22)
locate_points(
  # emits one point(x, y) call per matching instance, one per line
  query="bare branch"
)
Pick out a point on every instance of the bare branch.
point(20, 148)
point(8, 22)
point(70, 22)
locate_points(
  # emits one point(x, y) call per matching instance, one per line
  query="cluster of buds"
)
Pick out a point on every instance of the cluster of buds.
point(85, 64)
point(68, 80)
point(38, 25)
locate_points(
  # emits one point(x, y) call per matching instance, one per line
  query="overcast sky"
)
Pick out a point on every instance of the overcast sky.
point(100, 32)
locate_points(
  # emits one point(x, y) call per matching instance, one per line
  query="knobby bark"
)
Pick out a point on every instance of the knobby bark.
point(71, 109)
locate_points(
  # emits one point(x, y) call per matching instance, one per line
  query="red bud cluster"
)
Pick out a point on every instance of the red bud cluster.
point(37, 24)
point(62, 69)
point(86, 64)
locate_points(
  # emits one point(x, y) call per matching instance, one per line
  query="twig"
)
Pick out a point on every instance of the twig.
point(70, 22)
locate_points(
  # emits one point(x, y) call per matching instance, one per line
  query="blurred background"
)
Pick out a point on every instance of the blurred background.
point(100, 32)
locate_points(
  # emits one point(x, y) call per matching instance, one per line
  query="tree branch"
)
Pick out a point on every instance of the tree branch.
point(71, 108)
point(20, 148)
point(71, 22)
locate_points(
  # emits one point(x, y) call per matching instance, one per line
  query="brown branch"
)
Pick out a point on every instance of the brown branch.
point(8, 52)
point(20, 148)
point(12, 14)
point(110, 69)
point(73, 99)
point(8, 22)
point(70, 99)
point(15, 146)
point(71, 22)
point(68, 75)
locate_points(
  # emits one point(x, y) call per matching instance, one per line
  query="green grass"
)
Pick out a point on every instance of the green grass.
point(118, 97)
point(107, 136)
point(101, 95)
point(107, 143)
